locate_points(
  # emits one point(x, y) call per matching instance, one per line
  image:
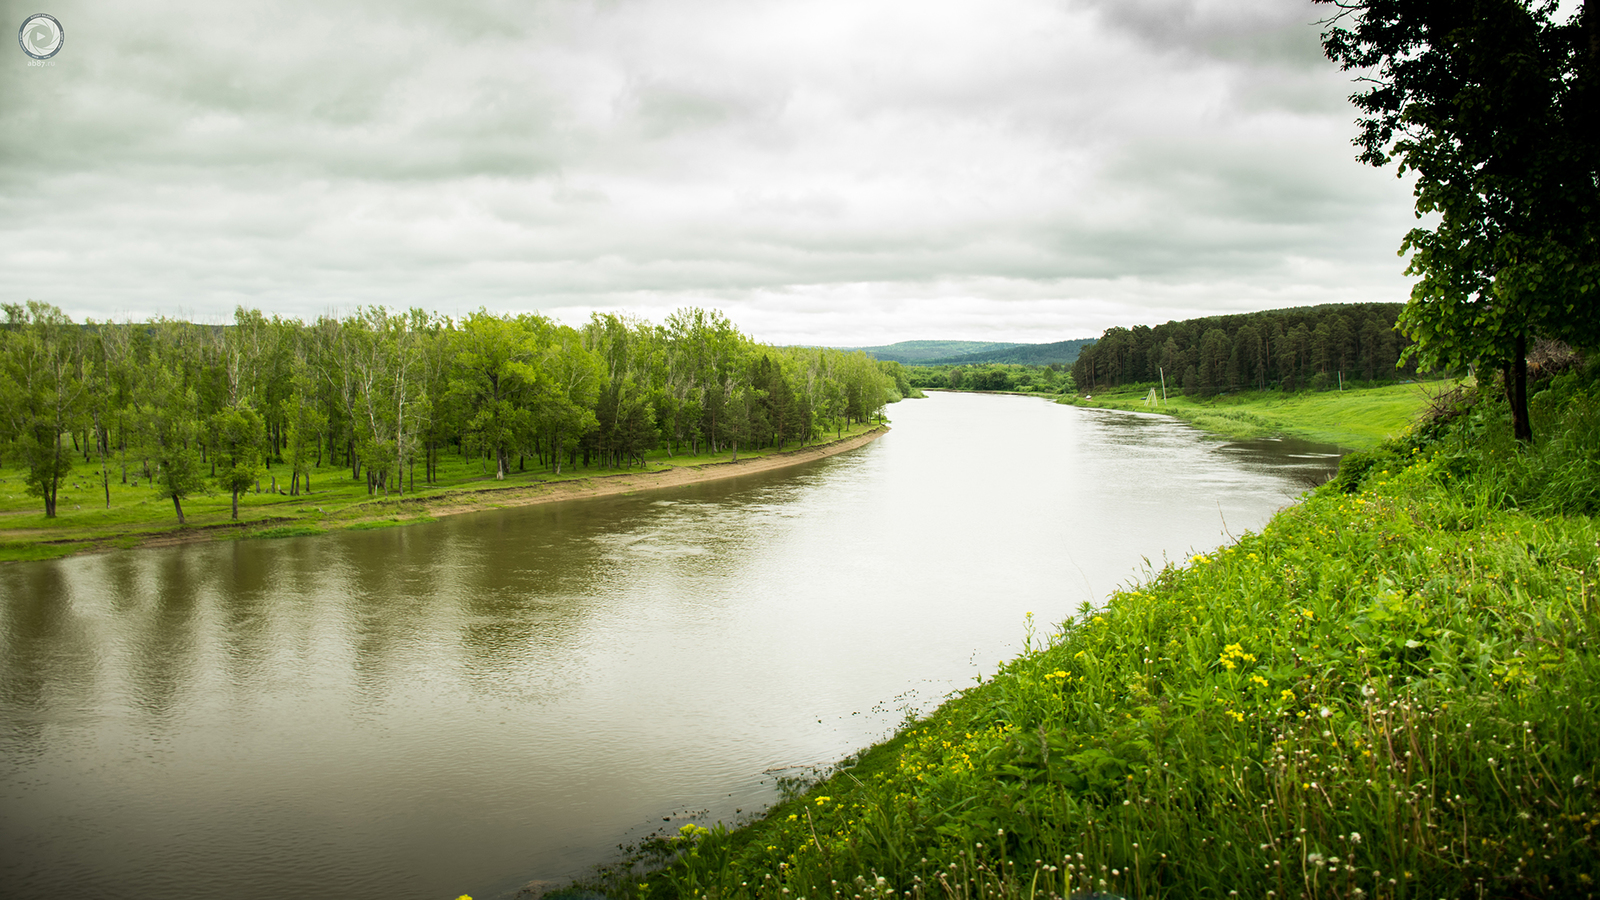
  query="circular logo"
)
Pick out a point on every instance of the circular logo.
point(41, 36)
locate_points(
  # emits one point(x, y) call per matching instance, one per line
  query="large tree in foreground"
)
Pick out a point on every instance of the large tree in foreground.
point(1492, 104)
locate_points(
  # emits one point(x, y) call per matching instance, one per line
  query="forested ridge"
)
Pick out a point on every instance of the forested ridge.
point(1056, 353)
point(1291, 349)
point(967, 353)
point(379, 396)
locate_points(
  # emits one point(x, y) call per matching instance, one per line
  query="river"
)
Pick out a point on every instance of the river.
point(471, 704)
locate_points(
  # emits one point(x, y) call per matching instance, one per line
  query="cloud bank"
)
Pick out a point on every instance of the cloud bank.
point(825, 172)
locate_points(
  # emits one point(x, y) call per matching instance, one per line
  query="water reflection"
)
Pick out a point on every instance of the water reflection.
point(466, 705)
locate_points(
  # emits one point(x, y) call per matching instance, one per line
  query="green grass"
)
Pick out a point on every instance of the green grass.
point(1391, 691)
point(84, 523)
point(1357, 418)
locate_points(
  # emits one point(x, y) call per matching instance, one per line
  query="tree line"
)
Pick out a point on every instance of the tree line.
point(378, 396)
point(1046, 379)
point(1312, 347)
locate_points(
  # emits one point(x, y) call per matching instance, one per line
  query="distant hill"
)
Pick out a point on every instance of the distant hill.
point(966, 353)
point(918, 353)
point(1059, 353)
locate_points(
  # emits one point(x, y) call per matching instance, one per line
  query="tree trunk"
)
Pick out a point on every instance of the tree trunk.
point(1517, 391)
point(236, 506)
point(178, 505)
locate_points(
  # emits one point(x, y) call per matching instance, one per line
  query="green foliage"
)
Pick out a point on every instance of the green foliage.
point(1316, 346)
point(304, 428)
point(1491, 106)
point(42, 390)
point(169, 431)
point(1047, 379)
point(1558, 474)
point(237, 433)
point(383, 403)
point(1386, 693)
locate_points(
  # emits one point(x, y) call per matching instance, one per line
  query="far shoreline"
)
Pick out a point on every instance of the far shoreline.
point(397, 511)
point(629, 482)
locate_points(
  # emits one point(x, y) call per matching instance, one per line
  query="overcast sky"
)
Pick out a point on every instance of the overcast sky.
point(843, 172)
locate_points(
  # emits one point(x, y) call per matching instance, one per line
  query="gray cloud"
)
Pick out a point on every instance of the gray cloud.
point(826, 172)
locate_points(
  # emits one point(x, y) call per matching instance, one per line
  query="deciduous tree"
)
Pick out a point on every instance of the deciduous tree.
point(168, 420)
point(1492, 105)
point(237, 434)
point(42, 385)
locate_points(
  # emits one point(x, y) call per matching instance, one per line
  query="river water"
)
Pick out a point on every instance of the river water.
point(471, 704)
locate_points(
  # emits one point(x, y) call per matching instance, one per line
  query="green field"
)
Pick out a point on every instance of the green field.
point(1356, 419)
point(85, 523)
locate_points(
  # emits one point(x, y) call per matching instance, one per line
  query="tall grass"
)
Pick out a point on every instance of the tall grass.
point(1392, 691)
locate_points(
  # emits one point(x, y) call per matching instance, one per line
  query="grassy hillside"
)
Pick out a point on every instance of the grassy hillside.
point(1357, 418)
point(1392, 691)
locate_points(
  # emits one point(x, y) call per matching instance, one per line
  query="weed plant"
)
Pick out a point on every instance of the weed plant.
point(1391, 691)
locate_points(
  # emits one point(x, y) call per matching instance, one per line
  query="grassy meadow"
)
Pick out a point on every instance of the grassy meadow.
point(135, 515)
point(1356, 418)
point(1391, 691)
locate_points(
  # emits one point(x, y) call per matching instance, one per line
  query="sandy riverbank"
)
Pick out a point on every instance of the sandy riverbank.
point(631, 482)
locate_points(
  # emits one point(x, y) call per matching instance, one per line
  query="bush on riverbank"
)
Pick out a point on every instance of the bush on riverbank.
point(1392, 691)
